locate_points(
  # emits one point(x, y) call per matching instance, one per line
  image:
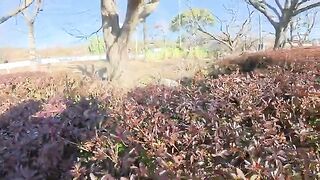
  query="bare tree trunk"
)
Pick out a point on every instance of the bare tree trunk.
point(111, 30)
point(30, 17)
point(145, 29)
point(280, 37)
point(32, 40)
point(117, 38)
point(117, 55)
point(291, 38)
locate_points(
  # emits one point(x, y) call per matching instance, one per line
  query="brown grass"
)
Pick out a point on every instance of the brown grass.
point(17, 54)
point(138, 73)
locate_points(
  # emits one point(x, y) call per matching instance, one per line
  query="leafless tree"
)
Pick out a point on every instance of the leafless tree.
point(117, 37)
point(15, 12)
point(281, 14)
point(145, 34)
point(161, 31)
point(301, 28)
point(227, 36)
point(30, 16)
point(145, 31)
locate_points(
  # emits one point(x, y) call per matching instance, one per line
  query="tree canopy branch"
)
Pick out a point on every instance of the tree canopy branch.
point(110, 20)
point(302, 2)
point(148, 8)
point(273, 9)
point(226, 38)
point(81, 35)
point(243, 27)
point(132, 17)
point(31, 18)
point(261, 7)
point(279, 5)
point(298, 11)
point(15, 12)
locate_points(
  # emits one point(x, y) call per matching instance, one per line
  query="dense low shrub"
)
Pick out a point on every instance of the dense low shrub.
point(260, 125)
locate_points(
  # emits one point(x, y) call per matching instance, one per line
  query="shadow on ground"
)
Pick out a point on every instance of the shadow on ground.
point(41, 141)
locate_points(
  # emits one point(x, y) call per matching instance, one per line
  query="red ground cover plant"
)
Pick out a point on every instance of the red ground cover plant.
point(263, 124)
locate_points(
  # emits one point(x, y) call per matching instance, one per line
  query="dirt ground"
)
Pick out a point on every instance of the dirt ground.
point(140, 73)
point(137, 73)
point(18, 54)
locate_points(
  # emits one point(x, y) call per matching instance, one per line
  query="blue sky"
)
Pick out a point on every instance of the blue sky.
point(59, 16)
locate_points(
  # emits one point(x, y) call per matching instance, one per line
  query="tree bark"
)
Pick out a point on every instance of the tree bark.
point(145, 31)
point(30, 17)
point(111, 30)
point(32, 40)
point(117, 38)
point(117, 55)
point(280, 37)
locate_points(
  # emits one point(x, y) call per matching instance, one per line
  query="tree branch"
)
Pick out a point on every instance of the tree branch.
point(80, 35)
point(310, 25)
point(137, 10)
point(302, 28)
point(110, 20)
point(31, 18)
point(273, 9)
point(306, 8)
point(302, 2)
point(15, 12)
point(131, 19)
point(37, 9)
point(243, 27)
point(216, 38)
point(260, 7)
point(287, 4)
point(148, 9)
point(220, 40)
point(226, 38)
point(279, 5)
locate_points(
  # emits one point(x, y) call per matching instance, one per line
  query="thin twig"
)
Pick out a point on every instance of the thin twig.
point(83, 36)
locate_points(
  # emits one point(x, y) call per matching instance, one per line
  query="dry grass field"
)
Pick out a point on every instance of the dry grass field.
point(139, 73)
point(17, 54)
